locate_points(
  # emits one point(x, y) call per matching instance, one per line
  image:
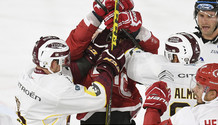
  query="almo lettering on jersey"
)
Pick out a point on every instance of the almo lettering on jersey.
point(27, 92)
point(181, 93)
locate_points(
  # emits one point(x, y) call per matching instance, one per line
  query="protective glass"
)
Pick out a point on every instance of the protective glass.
point(194, 83)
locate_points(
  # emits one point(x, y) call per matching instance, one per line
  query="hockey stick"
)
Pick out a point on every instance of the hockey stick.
point(127, 33)
point(113, 44)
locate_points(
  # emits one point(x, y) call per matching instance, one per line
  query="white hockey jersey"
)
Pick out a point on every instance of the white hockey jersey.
point(208, 51)
point(48, 99)
point(147, 68)
point(204, 114)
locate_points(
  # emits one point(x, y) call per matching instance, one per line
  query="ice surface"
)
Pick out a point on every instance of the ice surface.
point(22, 22)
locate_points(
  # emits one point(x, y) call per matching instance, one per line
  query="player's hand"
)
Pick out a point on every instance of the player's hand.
point(157, 96)
point(129, 20)
point(109, 4)
point(111, 61)
point(150, 45)
point(95, 48)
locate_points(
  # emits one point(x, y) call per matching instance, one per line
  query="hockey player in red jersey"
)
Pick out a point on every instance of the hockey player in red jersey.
point(204, 85)
point(48, 93)
point(126, 99)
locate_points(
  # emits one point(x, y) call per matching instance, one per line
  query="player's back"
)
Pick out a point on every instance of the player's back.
point(147, 68)
point(204, 114)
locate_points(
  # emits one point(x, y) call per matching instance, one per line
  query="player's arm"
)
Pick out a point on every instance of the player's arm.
point(79, 38)
point(157, 99)
point(147, 41)
point(80, 67)
point(152, 117)
point(96, 96)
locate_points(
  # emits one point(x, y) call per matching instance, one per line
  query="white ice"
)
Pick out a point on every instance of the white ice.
point(22, 22)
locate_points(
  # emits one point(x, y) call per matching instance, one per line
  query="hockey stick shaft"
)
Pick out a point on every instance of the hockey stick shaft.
point(115, 25)
point(127, 33)
point(113, 44)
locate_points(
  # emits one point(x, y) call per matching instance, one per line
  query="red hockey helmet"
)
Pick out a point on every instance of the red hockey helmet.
point(207, 75)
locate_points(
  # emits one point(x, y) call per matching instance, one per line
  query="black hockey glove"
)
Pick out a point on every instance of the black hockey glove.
point(96, 47)
point(111, 61)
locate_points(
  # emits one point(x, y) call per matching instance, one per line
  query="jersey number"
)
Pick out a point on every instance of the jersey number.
point(175, 105)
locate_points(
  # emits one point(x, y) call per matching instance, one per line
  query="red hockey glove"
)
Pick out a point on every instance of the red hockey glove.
point(96, 47)
point(147, 41)
point(129, 20)
point(111, 61)
point(157, 96)
point(123, 5)
point(151, 45)
point(109, 4)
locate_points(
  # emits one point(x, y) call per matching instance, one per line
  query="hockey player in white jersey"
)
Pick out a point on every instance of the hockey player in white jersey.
point(205, 87)
point(179, 64)
point(205, 15)
point(47, 95)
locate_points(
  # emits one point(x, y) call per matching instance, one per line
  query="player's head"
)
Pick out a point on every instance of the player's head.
point(48, 49)
point(206, 81)
point(205, 14)
point(182, 48)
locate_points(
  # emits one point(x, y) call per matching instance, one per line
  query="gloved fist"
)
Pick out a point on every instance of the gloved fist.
point(157, 96)
point(109, 4)
point(96, 47)
point(129, 20)
point(111, 61)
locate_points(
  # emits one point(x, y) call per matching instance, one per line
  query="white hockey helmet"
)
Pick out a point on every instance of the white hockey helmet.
point(51, 48)
point(184, 46)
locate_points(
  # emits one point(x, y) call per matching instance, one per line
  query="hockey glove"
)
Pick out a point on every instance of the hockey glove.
point(157, 96)
point(129, 20)
point(147, 41)
point(96, 47)
point(109, 5)
point(111, 61)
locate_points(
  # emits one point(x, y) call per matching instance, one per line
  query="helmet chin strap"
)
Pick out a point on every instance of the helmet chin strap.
point(204, 94)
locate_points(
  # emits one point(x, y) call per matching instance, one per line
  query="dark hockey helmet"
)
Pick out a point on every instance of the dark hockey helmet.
point(50, 48)
point(205, 5)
